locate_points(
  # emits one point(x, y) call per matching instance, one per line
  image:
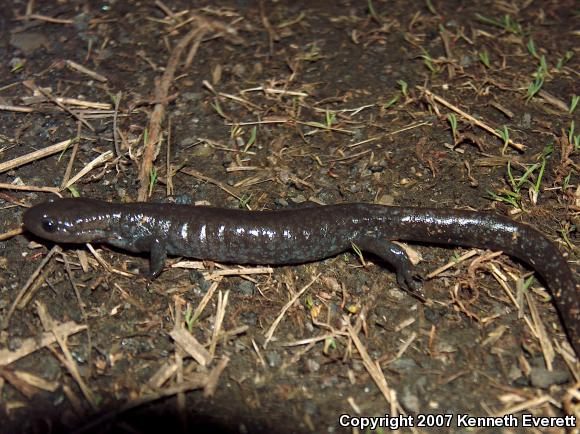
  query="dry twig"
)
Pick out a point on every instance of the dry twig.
point(161, 98)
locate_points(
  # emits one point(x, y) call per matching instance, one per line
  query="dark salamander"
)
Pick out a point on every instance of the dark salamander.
point(302, 235)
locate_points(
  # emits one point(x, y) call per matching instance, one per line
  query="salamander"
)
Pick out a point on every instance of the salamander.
point(302, 235)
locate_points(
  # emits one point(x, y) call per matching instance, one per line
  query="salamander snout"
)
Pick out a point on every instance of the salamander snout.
point(55, 221)
point(69, 221)
point(41, 224)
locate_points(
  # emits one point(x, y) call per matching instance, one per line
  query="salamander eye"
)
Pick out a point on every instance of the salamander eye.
point(48, 224)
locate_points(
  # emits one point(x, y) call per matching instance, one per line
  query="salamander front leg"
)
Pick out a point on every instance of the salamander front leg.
point(157, 258)
point(393, 254)
point(157, 253)
point(157, 250)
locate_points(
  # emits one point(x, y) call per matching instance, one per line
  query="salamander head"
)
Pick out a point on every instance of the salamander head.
point(70, 220)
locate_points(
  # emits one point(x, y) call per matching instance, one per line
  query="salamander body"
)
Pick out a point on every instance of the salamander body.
point(302, 235)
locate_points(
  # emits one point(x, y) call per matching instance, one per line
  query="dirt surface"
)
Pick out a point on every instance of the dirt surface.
point(286, 104)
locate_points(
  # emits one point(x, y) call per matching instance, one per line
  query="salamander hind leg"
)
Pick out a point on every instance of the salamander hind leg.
point(394, 255)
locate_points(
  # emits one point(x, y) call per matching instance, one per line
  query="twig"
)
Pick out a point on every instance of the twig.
point(84, 70)
point(115, 130)
point(32, 86)
point(105, 156)
point(219, 318)
point(16, 108)
point(36, 155)
point(213, 377)
point(5, 186)
point(274, 325)
point(30, 345)
point(195, 46)
point(190, 345)
point(452, 263)
point(196, 174)
point(376, 374)
point(169, 180)
point(205, 300)
point(526, 405)
point(74, 286)
point(238, 272)
point(154, 128)
point(36, 285)
point(199, 381)
point(545, 344)
point(44, 18)
point(69, 166)
point(31, 279)
point(67, 359)
point(179, 356)
point(445, 39)
point(518, 146)
point(272, 35)
point(12, 233)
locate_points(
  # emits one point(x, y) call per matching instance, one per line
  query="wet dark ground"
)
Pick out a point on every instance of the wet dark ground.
point(287, 104)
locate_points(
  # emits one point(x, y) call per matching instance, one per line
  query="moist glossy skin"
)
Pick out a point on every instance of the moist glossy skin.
point(302, 235)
